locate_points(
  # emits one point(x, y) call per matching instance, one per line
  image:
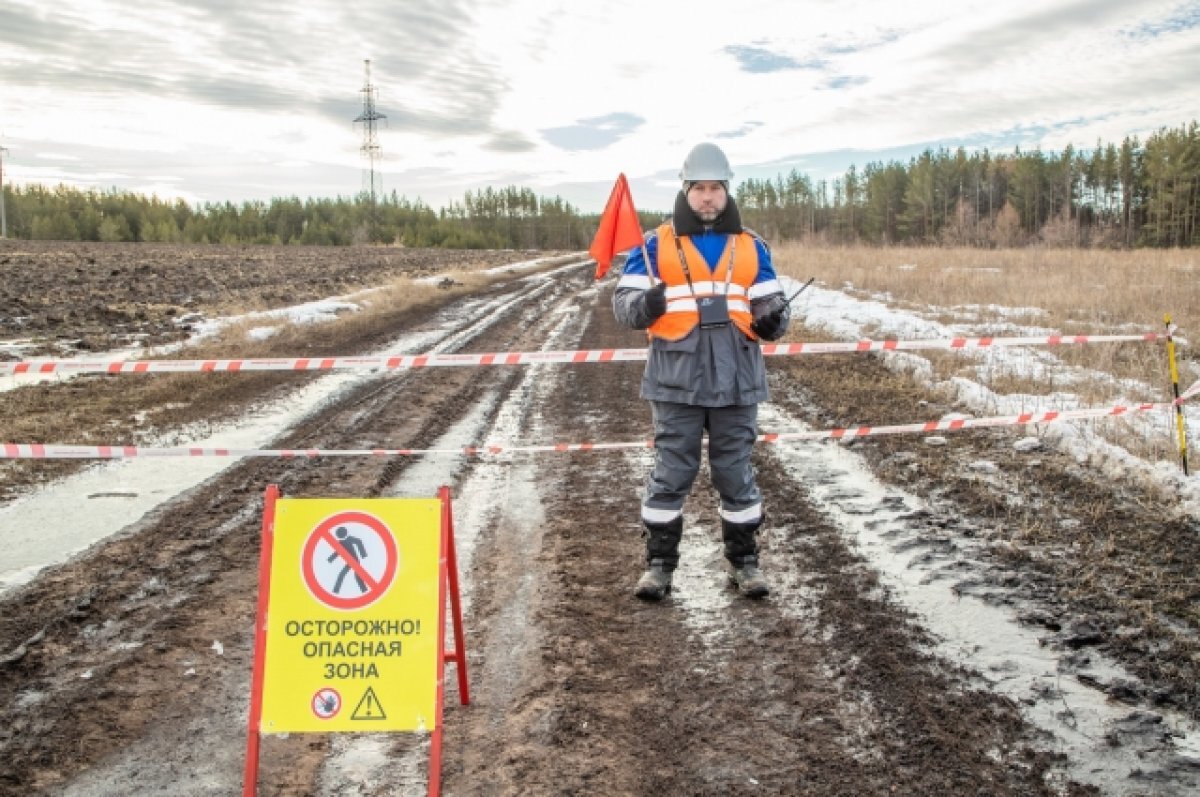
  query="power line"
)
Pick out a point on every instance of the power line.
point(370, 148)
point(3, 218)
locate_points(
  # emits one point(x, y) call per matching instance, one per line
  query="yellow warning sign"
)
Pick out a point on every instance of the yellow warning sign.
point(353, 615)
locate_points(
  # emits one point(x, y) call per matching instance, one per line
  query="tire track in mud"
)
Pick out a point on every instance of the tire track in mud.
point(112, 646)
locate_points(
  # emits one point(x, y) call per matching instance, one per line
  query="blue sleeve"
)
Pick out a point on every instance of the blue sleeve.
point(636, 266)
point(766, 268)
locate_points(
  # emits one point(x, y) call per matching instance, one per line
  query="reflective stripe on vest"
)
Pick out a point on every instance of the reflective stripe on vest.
point(682, 316)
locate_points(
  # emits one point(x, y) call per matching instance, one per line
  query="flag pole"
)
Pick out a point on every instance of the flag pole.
point(646, 257)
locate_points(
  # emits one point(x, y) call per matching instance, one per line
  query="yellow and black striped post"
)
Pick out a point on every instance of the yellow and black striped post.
point(1180, 429)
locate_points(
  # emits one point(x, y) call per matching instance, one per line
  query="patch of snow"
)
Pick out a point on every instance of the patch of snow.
point(524, 265)
point(317, 312)
point(849, 318)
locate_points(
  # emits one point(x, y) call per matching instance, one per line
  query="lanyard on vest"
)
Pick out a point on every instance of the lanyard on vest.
point(687, 272)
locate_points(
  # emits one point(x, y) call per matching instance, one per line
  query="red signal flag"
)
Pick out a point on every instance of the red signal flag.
point(619, 230)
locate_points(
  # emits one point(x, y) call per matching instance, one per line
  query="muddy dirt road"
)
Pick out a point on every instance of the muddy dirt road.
point(126, 670)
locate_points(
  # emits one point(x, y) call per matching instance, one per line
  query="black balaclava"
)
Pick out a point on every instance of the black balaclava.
point(686, 222)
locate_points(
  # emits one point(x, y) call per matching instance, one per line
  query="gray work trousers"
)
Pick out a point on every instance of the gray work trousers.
point(678, 433)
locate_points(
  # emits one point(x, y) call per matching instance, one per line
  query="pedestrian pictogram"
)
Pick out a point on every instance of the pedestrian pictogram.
point(349, 560)
point(326, 703)
point(369, 708)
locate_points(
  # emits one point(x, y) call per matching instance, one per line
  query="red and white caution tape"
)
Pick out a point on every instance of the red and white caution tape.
point(951, 344)
point(318, 363)
point(391, 362)
point(39, 451)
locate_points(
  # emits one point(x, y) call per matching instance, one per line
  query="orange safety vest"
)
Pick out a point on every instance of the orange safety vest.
point(682, 314)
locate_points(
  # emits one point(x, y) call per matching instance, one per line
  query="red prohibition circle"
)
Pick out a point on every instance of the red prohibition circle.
point(377, 589)
point(336, 709)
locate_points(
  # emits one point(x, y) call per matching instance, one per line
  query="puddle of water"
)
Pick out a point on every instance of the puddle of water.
point(1012, 658)
point(52, 524)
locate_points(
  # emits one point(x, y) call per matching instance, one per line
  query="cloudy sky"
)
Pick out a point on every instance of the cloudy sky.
point(245, 99)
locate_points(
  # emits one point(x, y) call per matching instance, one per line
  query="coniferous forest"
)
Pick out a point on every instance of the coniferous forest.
point(1125, 195)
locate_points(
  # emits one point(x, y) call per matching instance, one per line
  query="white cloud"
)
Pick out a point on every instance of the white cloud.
point(241, 100)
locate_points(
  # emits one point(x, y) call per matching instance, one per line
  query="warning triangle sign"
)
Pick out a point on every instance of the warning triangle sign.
point(369, 708)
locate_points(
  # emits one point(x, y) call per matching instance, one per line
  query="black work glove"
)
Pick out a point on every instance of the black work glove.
point(769, 325)
point(655, 301)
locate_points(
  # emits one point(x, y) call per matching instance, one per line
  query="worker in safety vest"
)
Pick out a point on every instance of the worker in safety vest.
point(706, 296)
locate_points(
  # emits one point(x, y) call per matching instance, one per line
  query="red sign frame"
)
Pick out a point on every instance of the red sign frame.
point(448, 590)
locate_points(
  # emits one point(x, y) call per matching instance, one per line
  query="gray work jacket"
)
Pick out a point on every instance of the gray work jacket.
point(718, 367)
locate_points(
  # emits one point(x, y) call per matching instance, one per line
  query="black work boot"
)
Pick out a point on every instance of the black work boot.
point(748, 579)
point(741, 549)
point(655, 583)
point(662, 555)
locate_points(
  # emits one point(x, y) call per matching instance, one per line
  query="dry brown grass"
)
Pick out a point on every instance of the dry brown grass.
point(1077, 291)
point(1080, 290)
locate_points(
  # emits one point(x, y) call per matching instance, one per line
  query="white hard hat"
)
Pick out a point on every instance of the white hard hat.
point(706, 162)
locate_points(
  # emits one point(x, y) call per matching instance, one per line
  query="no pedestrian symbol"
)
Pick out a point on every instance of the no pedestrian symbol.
point(349, 560)
point(326, 703)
